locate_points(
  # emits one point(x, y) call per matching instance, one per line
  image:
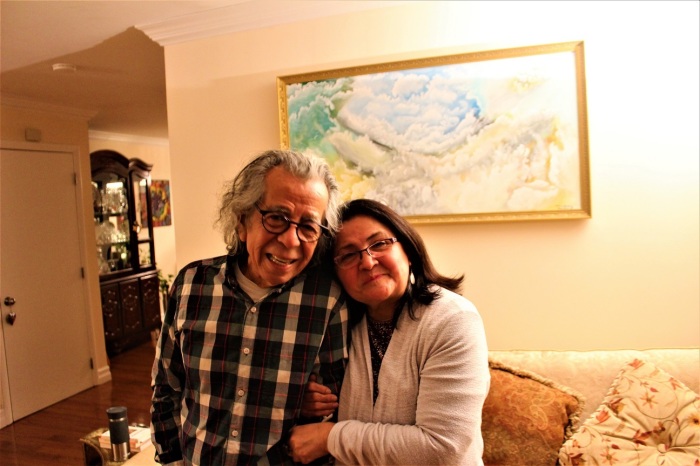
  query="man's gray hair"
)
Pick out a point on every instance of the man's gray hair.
point(248, 188)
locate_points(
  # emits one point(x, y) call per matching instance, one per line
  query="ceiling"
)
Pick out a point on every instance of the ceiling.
point(116, 48)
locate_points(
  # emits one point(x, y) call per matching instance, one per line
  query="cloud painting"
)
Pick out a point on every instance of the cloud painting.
point(492, 136)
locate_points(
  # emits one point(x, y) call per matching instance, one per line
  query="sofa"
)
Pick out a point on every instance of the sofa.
point(611, 407)
point(587, 408)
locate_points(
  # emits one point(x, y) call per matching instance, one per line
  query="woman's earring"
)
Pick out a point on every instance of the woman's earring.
point(411, 278)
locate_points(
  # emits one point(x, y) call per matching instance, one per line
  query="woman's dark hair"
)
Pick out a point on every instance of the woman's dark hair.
point(422, 267)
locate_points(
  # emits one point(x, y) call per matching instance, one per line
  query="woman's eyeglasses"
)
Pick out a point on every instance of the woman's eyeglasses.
point(277, 223)
point(375, 250)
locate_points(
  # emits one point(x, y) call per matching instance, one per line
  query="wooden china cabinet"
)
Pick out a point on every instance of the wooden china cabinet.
point(129, 285)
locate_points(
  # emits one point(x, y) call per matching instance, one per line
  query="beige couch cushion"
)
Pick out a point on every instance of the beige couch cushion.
point(592, 372)
point(647, 417)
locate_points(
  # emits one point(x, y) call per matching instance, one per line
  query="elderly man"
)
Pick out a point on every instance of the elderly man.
point(244, 332)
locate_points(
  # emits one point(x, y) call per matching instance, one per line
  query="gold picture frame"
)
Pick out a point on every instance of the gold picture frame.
point(498, 135)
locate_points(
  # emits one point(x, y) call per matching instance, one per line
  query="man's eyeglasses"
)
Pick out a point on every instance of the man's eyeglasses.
point(375, 250)
point(276, 222)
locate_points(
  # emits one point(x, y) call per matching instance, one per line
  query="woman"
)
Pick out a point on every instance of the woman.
point(418, 373)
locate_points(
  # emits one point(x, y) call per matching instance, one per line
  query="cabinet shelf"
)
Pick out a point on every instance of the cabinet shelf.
point(113, 243)
point(111, 214)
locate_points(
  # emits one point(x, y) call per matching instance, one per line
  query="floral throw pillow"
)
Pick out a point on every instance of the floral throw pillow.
point(526, 417)
point(647, 417)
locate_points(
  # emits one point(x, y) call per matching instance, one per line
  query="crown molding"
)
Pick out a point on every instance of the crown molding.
point(128, 138)
point(247, 15)
point(29, 104)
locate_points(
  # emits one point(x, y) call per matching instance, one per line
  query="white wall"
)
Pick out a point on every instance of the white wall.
point(627, 278)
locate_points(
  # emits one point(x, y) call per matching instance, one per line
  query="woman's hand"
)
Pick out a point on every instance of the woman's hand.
point(309, 442)
point(318, 399)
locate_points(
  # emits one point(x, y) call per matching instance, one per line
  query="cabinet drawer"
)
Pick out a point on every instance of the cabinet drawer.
point(150, 293)
point(131, 305)
point(111, 311)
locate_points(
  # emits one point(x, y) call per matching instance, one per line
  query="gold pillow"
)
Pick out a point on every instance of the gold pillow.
point(526, 417)
point(647, 417)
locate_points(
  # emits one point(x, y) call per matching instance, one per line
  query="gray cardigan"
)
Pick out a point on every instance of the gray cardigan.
point(432, 385)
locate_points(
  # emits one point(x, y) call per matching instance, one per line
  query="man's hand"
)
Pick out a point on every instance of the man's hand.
point(318, 399)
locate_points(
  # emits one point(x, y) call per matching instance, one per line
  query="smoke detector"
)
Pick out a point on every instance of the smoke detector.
point(64, 67)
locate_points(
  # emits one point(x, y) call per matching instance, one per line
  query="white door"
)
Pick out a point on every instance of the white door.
point(47, 347)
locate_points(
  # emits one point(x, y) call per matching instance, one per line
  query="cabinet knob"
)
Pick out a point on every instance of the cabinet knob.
point(9, 301)
point(10, 318)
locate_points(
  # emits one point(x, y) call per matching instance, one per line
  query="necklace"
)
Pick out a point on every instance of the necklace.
point(379, 337)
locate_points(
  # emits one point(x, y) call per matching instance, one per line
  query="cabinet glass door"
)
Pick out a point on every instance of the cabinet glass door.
point(143, 228)
point(111, 215)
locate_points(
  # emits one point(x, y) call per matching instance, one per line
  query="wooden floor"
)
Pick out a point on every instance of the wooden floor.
point(51, 437)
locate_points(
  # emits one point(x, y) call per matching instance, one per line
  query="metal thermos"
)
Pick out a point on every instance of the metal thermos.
point(119, 432)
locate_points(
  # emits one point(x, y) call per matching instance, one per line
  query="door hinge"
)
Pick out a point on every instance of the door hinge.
point(82, 272)
point(75, 178)
point(92, 365)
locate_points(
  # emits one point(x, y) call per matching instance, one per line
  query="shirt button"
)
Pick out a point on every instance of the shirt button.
point(246, 350)
point(253, 309)
point(234, 433)
point(241, 392)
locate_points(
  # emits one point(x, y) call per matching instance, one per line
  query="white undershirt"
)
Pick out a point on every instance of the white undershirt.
point(250, 288)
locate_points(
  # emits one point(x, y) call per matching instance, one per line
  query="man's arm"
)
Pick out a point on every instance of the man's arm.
point(167, 382)
point(333, 354)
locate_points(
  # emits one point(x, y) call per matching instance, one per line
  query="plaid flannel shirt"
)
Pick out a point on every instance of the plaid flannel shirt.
point(229, 373)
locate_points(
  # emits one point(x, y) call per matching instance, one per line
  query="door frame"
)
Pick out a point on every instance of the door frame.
point(99, 374)
point(5, 401)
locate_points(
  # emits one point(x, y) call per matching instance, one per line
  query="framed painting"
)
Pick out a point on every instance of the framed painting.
point(497, 135)
point(160, 203)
